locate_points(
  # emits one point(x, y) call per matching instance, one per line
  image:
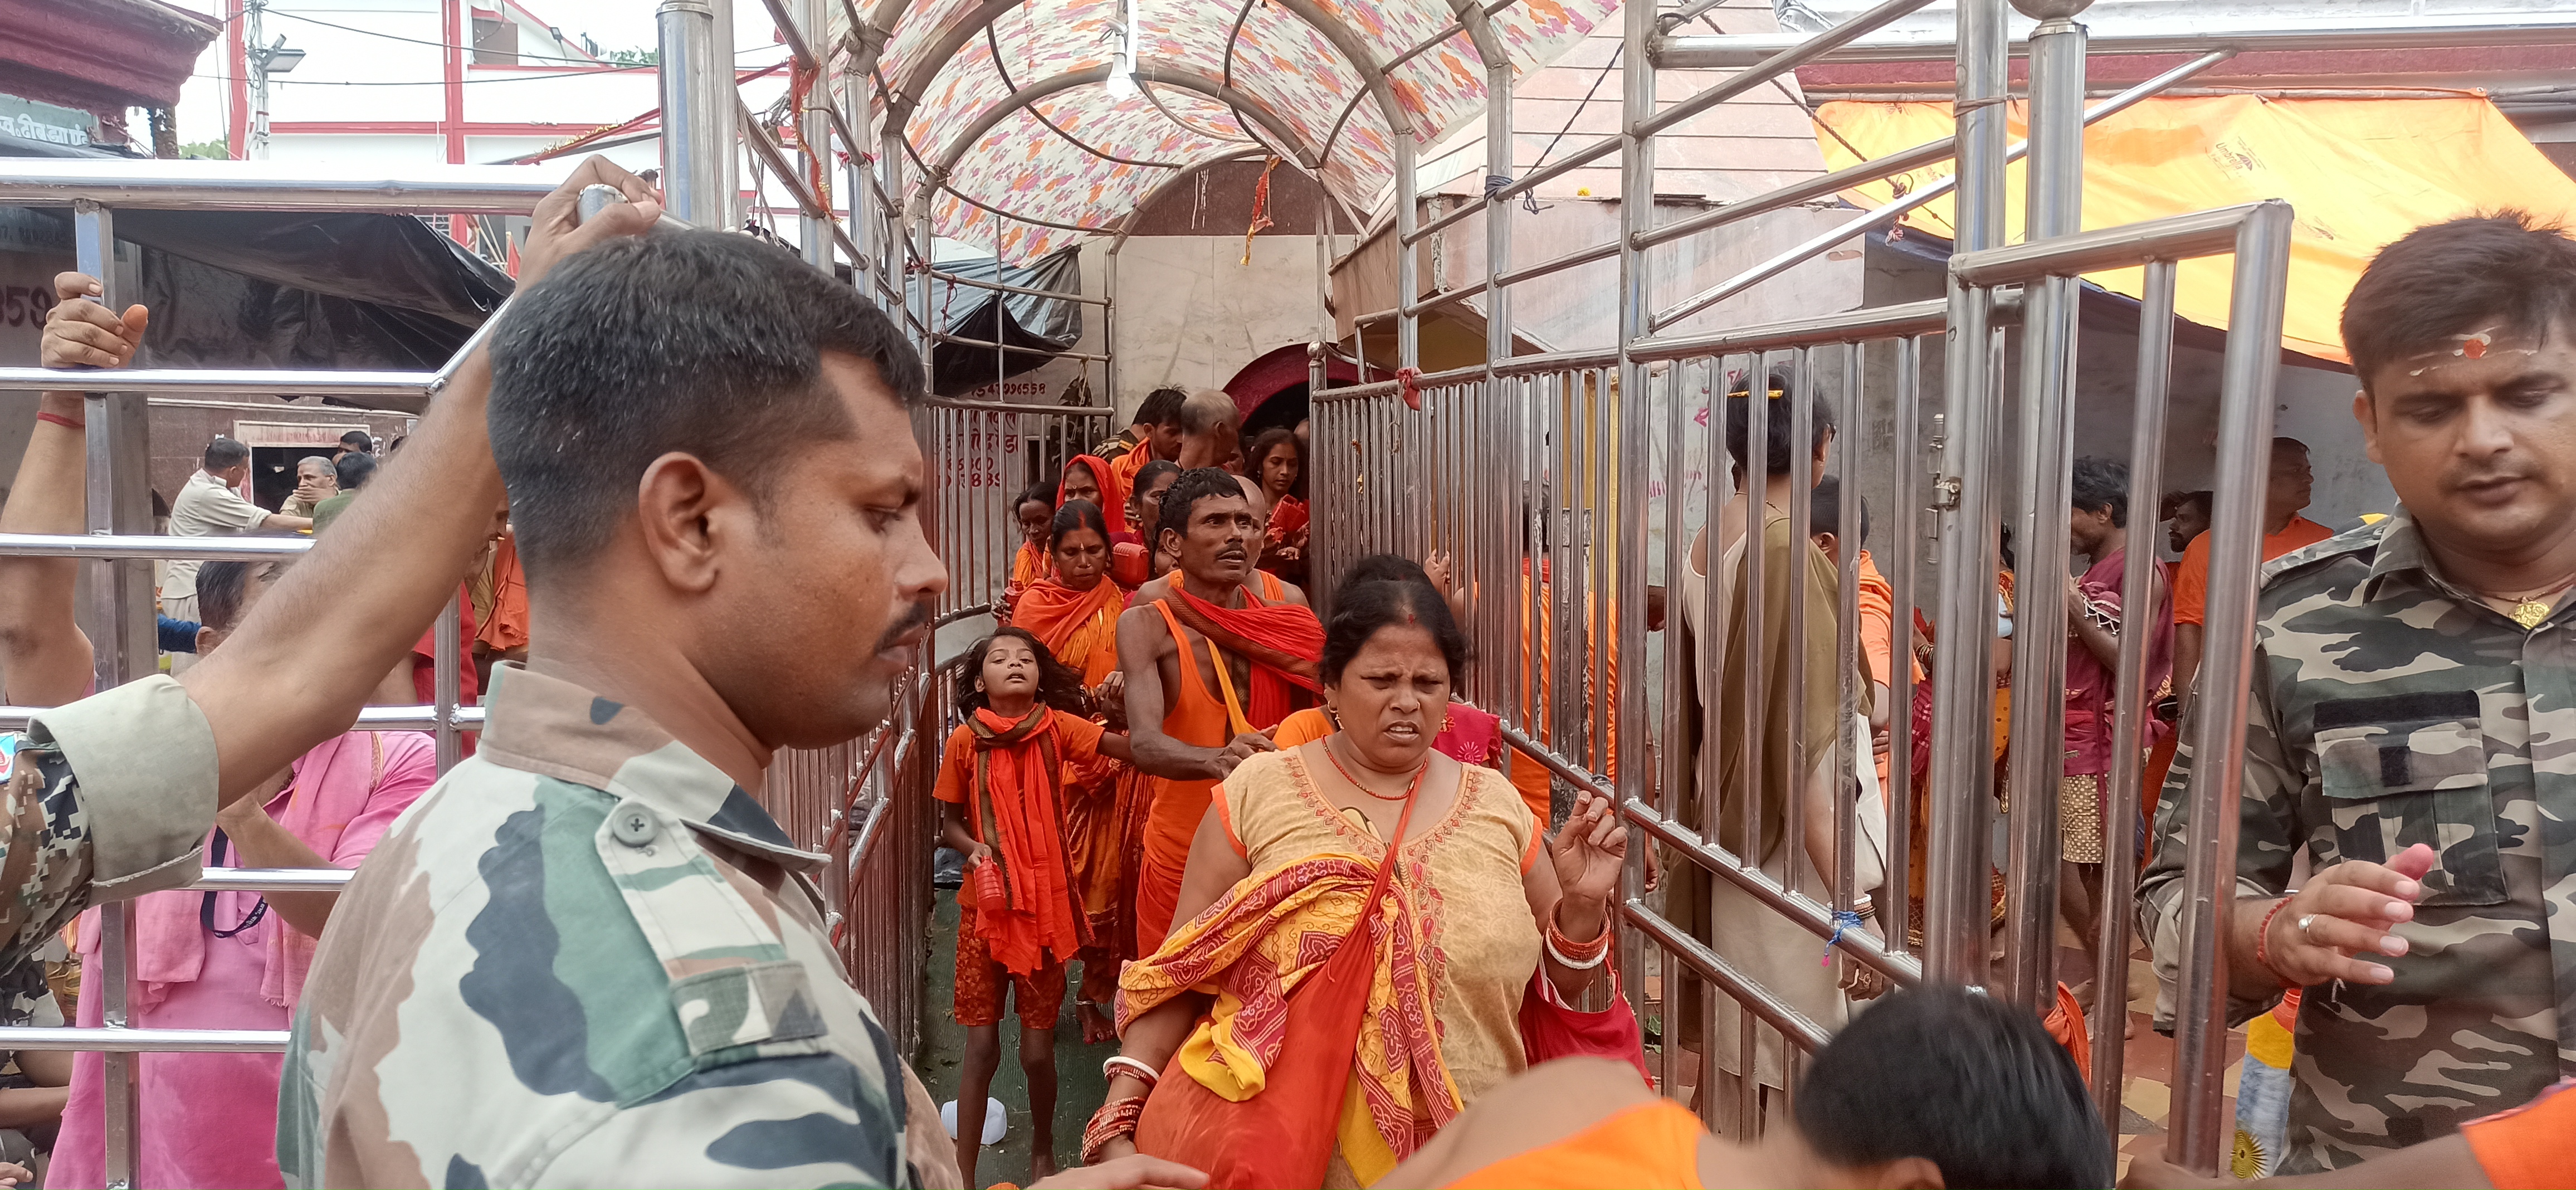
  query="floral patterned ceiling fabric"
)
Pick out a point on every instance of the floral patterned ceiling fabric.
point(1278, 63)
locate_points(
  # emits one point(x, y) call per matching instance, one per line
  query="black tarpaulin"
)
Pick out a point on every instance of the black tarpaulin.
point(1031, 329)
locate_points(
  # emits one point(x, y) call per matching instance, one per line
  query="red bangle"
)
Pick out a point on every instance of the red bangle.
point(1114, 1121)
point(2263, 944)
point(1578, 951)
point(60, 420)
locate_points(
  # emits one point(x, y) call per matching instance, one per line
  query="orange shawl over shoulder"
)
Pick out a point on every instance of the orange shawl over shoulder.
point(1013, 803)
point(1079, 627)
point(1283, 641)
point(1250, 949)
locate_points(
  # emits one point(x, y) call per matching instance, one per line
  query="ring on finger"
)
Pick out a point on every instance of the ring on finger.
point(2305, 920)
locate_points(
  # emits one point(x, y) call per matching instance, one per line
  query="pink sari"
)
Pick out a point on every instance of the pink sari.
point(211, 1119)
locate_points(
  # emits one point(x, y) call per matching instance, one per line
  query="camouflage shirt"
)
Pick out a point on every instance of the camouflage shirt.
point(586, 957)
point(105, 799)
point(2390, 708)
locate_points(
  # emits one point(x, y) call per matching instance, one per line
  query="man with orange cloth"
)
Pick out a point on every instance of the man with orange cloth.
point(1212, 665)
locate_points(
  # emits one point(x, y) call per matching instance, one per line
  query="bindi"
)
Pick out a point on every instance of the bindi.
point(2474, 345)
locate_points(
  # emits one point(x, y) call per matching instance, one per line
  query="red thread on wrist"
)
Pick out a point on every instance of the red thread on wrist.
point(2263, 944)
point(60, 420)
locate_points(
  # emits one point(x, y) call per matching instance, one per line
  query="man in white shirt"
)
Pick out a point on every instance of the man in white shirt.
point(209, 506)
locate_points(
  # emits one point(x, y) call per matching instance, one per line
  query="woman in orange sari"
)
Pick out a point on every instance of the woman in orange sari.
point(1281, 869)
point(1279, 463)
point(1074, 612)
point(1033, 511)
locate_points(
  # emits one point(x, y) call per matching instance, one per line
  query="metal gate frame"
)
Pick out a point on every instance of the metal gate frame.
point(1433, 461)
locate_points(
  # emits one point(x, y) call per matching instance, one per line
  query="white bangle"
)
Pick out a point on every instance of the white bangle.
point(1110, 1067)
point(1569, 964)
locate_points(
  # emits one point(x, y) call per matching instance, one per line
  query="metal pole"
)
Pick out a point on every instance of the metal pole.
point(814, 136)
point(255, 36)
point(697, 113)
point(2138, 617)
point(1408, 270)
point(116, 447)
point(444, 684)
point(2248, 374)
point(1905, 545)
point(1955, 893)
point(2046, 441)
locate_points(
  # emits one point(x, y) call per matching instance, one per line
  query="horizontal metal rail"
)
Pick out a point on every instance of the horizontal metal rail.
point(189, 381)
point(1930, 316)
point(1590, 784)
point(1816, 918)
point(1885, 216)
point(275, 186)
point(1739, 51)
point(188, 549)
point(1554, 264)
point(962, 341)
point(1788, 58)
point(268, 880)
point(119, 1040)
point(2180, 237)
point(1004, 287)
point(1007, 407)
point(1519, 365)
point(413, 718)
point(1777, 1013)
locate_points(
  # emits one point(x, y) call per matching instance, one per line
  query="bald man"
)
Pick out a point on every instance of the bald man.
point(1211, 429)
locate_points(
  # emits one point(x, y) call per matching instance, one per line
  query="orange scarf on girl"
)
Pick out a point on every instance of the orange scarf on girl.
point(1014, 807)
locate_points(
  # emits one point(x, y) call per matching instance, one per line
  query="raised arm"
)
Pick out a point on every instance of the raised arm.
point(44, 655)
point(1141, 639)
point(309, 653)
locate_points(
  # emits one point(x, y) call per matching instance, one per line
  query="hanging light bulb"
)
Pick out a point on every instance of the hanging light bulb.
point(1122, 80)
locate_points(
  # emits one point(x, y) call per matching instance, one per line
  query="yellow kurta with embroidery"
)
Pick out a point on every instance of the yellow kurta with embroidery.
point(1464, 876)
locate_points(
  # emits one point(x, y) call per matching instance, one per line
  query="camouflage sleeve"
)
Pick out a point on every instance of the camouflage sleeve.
point(797, 1120)
point(2267, 829)
point(106, 798)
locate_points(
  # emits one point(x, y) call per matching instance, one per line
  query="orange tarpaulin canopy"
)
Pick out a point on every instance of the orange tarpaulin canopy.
point(2357, 173)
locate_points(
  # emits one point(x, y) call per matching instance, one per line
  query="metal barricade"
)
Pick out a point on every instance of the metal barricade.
point(1557, 484)
point(980, 455)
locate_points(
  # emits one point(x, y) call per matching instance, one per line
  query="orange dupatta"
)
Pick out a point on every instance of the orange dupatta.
point(1283, 641)
point(1079, 627)
point(1113, 491)
point(1013, 804)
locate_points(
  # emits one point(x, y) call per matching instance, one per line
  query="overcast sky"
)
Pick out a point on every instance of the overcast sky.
point(614, 24)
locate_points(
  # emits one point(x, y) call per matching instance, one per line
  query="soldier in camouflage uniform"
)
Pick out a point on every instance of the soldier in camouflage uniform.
point(2413, 721)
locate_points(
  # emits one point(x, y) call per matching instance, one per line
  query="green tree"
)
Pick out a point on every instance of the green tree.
point(637, 57)
point(214, 150)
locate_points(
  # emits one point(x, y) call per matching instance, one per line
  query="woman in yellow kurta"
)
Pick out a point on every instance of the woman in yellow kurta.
point(1481, 901)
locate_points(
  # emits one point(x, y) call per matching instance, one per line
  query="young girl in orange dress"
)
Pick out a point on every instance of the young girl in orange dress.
point(1019, 917)
point(1074, 612)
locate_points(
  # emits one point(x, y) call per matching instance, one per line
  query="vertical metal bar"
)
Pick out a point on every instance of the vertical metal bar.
point(1801, 510)
point(814, 135)
point(1903, 546)
point(115, 449)
point(1109, 334)
point(1956, 893)
point(1847, 636)
point(2249, 373)
point(1489, 509)
point(1408, 258)
point(445, 683)
point(698, 112)
point(1749, 792)
point(2046, 448)
point(2138, 618)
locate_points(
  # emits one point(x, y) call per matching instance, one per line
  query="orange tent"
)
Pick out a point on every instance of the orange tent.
point(2357, 173)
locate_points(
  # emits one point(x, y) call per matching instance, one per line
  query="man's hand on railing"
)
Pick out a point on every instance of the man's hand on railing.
point(555, 227)
point(85, 334)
